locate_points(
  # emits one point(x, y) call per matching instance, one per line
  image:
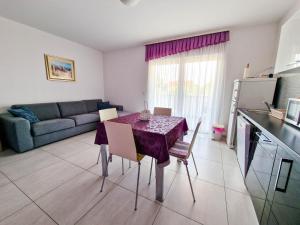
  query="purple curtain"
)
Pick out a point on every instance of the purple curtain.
point(158, 50)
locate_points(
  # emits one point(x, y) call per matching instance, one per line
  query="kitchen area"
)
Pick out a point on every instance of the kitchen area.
point(264, 129)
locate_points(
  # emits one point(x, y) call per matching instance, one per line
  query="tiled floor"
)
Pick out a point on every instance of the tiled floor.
point(59, 184)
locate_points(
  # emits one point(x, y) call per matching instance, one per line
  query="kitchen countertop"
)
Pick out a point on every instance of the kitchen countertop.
point(285, 135)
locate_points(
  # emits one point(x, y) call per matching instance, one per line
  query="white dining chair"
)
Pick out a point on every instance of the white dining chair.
point(159, 111)
point(182, 151)
point(121, 143)
point(107, 114)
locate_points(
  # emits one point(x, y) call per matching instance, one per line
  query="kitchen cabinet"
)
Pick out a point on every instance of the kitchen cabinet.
point(285, 192)
point(259, 175)
point(288, 54)
point(273, 181)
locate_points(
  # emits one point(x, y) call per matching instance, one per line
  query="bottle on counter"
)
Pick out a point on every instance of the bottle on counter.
point(247, 71)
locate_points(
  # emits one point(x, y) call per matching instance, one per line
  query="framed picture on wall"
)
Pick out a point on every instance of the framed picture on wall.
point(58, 68)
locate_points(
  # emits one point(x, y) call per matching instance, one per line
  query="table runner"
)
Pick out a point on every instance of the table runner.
point(153, 138)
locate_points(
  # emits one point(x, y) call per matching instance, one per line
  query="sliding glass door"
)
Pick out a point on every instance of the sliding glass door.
point(189, 83)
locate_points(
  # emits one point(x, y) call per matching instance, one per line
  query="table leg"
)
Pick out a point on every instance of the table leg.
point(159, 183)
point(104, 160)
point(180, 139)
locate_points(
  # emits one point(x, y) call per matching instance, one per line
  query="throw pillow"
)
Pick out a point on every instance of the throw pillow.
point(25, 113)
point(104, 105)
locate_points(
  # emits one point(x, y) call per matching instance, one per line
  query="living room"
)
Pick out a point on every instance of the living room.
point(75, 87)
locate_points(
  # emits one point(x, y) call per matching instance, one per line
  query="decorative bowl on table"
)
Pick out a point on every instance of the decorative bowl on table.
point(145, 115)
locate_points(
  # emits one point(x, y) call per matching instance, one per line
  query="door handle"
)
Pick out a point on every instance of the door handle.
point(261, 135)
point(289, 161)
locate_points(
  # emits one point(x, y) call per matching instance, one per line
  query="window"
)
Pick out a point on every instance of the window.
point(190, 83)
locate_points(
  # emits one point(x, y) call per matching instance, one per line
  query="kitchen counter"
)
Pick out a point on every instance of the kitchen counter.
point(285, 135)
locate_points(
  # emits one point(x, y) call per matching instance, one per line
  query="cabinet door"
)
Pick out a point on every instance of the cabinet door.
point(285, 191)
point(259, 175)
point(288, 55)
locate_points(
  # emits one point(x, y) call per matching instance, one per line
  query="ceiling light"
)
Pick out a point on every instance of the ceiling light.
point(130, 2)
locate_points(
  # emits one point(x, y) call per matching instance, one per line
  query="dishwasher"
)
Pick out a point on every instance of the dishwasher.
point(244, 143)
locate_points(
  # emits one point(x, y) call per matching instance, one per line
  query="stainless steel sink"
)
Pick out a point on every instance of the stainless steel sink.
point(260, 111)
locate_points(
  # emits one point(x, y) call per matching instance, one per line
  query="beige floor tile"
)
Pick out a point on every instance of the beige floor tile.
point(82, 137)
point(229, 157)
point(11, 199)
point(210, 205)
point(3, 180)
point(209, 150)
point(208, 170)
point(85, 159)
point(20, 168)
point(146, 190)
point(118, 208)
point(233, 178)
point(57, 144)
point(67, 203)
point(114, 169)
point(89, 139)
point(168, 217)
point(63, 151)
point(45, 180)
point(240, 209)
point(29, 215)
point(9, 156)
point(66, 148)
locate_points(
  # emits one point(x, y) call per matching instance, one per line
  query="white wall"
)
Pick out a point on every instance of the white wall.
point(22, 67)
point(125, 76)
point(256, 45)
point(125, 70)
point(291, 12)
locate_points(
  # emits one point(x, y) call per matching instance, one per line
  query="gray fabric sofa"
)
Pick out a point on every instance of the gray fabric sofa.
point(57, 121)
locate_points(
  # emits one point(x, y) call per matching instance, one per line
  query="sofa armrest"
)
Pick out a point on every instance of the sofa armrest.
point(118, 107)
point(16, 132)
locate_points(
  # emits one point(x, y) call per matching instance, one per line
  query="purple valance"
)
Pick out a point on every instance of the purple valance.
point(158, 50)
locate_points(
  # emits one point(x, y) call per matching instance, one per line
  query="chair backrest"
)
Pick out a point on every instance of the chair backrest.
point(160, 111)
point(108, 114)
point(194, 138)
point(120, 140)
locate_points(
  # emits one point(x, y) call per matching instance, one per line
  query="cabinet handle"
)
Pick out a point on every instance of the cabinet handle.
point(289, 161)
point(260, 135)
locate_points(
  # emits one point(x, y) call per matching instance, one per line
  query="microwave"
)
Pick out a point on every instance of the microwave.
point(293, 112)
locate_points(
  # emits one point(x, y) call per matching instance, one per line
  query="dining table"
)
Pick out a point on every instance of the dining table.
point(153, 137)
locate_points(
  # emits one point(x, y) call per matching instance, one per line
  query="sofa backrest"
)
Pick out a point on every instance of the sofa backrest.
point(91, 104)
point(44, 111)
point(72, 108)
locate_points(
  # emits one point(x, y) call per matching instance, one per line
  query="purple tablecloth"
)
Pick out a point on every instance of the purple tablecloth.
point(153, 138)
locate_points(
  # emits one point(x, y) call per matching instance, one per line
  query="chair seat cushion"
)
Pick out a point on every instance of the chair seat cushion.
point(182, 145)
point(85, 118)
point(49, 126)
point(178, 152)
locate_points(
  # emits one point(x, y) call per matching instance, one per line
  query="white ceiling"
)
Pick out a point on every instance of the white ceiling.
point(108, 24)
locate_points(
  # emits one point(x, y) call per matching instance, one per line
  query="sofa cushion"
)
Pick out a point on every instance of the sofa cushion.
point(25, 113)
point(44, 111)
point(72, 108)
point(49, 126)
point(91, 105)
point(85, 118)
point(104, 105)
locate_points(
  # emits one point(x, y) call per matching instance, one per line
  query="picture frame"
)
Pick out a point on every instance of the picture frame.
point(58, 68)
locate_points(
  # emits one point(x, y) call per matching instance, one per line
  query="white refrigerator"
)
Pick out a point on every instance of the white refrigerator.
point(249, 94)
